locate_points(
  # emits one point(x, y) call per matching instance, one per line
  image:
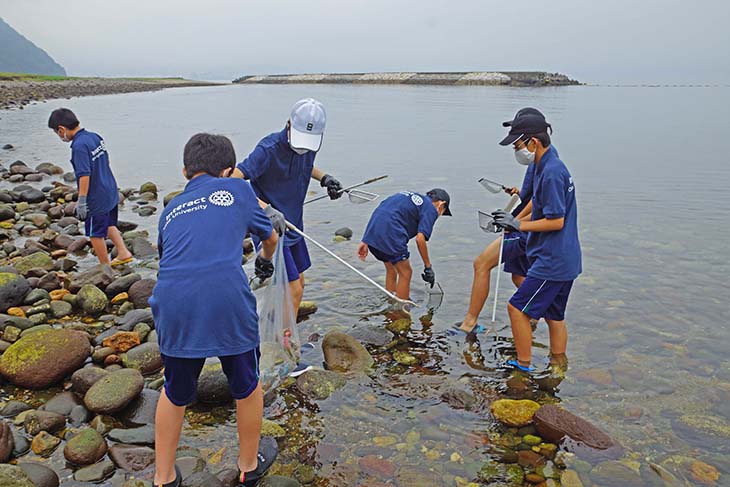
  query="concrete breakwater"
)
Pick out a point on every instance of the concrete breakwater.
point(484, 78)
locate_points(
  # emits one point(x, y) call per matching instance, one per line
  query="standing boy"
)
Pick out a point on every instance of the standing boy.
point(203, 306)
point(394, 222)
point(553, 247)
point(98, 194)
point(280, 168)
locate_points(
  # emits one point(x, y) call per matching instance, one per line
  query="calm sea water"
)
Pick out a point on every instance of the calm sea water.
point(651, 176)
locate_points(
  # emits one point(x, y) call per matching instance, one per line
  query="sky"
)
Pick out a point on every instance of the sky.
point(609, 42)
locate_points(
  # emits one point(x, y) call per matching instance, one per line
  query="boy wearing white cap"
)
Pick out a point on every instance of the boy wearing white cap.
point(279, 169)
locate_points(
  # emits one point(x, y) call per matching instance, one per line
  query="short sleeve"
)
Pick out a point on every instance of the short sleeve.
point(428, 216)
point(259, 224)
point(255, 164)
point(81, 160)
point(553, 198)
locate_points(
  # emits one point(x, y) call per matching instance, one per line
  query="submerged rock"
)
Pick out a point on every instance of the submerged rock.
point(306, 308)
point(43, 358)
point(616, 473)
point(344, 353)
point(554, 423)
point(514, 412)
point(703, 430)
point(319, 384)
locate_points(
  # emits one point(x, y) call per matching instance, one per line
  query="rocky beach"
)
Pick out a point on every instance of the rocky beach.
point(18, 90)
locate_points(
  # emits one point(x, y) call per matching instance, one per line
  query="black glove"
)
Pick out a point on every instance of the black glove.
point(506, 221)
point(334, 188)
point(277, 219)
point(263, 268)
point(429, 276)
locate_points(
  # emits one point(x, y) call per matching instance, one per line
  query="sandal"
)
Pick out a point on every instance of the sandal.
point(268, 451)
point(118, 262)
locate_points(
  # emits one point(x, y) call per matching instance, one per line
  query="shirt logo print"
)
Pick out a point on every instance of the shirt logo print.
point(221, 198)
point(417, 200)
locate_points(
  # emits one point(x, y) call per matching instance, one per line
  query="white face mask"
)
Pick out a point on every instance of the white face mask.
point(524, 156)
point(299, 151)
point(64, 137)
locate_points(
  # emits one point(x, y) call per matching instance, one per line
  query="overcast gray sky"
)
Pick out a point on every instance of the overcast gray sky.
point(623, 41)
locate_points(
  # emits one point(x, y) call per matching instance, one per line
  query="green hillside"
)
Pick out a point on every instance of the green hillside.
point(19, 55)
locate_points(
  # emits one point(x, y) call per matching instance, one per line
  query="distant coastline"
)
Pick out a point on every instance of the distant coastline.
point(480, 78)
point(18, 90)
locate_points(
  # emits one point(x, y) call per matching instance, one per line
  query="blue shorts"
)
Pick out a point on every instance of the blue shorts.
point(390, 259)
point(97, 226)
point(514, 253)
point(297, 260)
point(181, 376)
point(538, 298)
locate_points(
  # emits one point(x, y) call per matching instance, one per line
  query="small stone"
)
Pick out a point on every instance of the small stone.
point(143, 435)
point(122, 341)
point(272, 429)
point(86, 448)
point(514, 412)
point(704, 473)
point(58, 294)
point(120, 298)
point(306, 308)
point(146, 358)
point(11, 334)
point(344, 232)
point(16, 312)
point(37, 421)
point(92, 299)
point(531, 440)
point(148, 187)
point(400, 327)
point(404, 358)
point(375, 465)
point(62, 403)
point(59, 309)
point(44, 444)
point(96, 472)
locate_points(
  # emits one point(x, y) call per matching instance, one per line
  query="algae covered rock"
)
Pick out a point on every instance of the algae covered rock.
point(10, 475)
point(13, 289)
point(319, 384)
point(344, 353)
point(85, 448)
point(114, 391)
point(92, 300)
point(512, 412)
point(38, 260)
point(43, 358)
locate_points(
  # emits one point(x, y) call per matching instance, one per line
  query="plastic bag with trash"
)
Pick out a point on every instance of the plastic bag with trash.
point(277, 325)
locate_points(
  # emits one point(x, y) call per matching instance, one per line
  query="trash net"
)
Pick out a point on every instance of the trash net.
point(277, 325)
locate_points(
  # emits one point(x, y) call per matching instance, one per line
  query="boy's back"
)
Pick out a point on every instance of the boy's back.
point(202, 303)
point(398, 219)
point(90, 158)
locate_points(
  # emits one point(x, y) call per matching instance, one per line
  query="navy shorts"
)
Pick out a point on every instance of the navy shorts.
point(97, 226)
point(296, 259)
point(181, 376)
point(514, 253)
point(390, 259)
point(538, 298)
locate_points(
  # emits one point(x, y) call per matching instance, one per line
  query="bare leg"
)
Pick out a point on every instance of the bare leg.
point(297, 292)
point(558, 337)
point(116, 237)
point(403, 288)
point(168, 425)
point(522, 334)
point(249, 415)
point(391, 277)
point(483, 265)
point(517, 280)
point(99, 246)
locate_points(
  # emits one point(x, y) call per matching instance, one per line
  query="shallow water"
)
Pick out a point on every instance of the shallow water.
point(651, 307)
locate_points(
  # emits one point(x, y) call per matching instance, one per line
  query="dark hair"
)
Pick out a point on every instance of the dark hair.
point(62, 117)
point(208, 153)
point(543, 137)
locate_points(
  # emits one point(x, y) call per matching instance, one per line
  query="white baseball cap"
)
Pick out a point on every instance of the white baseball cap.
point(308, 120)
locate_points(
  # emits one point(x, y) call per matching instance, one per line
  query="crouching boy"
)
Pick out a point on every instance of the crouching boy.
point(392, 225)
point(203, 306)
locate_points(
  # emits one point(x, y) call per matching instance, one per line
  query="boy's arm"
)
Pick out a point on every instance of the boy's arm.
point(526, 212)
point(334, 187)
point(422, 245)
point(543, 225)
point(84, 185)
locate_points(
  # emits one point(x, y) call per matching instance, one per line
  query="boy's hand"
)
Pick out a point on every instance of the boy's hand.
point(334, 188)
point(512, 191)
point(277, 219)
point(82, 209)
point(505, 220)
point(429, 276)
point(362, 251)
point(263, 268)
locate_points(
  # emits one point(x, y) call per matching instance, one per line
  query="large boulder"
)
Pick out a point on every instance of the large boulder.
point(32, 196)
point(7, 443)
point(515, 413)
point(99, 275)
point(140, 292)
point(13, 289)
point(115, 391)
point(344, 353)
point(40, 475)
point(554, 423)
point(92, 300)
point(86, 448)
point(43, 358)
point(12, 476)
point(38, 260)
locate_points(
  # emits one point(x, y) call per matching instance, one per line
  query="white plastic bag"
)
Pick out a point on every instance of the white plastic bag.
point(277, 326)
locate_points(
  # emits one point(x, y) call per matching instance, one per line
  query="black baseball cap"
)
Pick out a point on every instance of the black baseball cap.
point(439, 194)
point(527, 121)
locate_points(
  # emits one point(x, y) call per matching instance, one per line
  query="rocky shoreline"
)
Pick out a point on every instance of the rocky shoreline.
point(16, 92)
point(466, 78)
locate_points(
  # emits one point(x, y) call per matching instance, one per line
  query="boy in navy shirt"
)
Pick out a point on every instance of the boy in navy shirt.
point(280, 168)
point(98, 195)
point(394, 222)
point(553, 247)
point(202, 303)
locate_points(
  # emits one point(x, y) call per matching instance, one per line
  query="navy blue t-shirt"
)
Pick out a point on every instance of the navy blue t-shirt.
point(398, 219)
point(554, 256)
point(90, 158)
point(202, 304)
point(281, 178)
point(525, 190)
